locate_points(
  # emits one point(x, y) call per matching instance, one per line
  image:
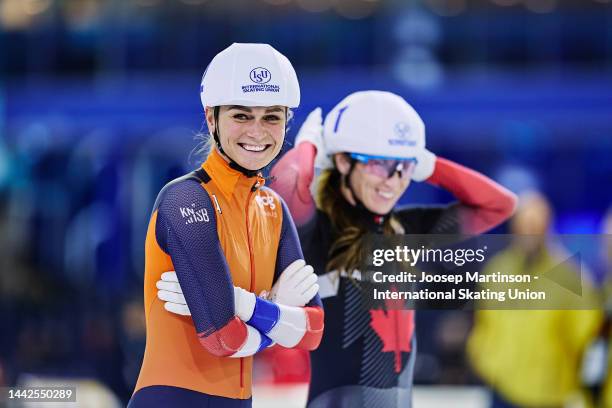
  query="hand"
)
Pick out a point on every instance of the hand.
point(244, 303)
point(296, 286)
point(426, 164)
point(171, 293)
point(312, 132)
point(312, 129)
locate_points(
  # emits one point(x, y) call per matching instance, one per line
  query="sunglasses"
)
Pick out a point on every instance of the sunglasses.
point(385, 167)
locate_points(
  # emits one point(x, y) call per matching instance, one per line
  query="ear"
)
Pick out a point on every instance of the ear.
point(343, 163)
point(210, 119)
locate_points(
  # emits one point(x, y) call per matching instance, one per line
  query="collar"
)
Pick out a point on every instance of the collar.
point(226, 178)
point(373, 222)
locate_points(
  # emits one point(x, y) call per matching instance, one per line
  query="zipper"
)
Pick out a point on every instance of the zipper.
point(252, 264)
point(248, 230)
point(242, 376)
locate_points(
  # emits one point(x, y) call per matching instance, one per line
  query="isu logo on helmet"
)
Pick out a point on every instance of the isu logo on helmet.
point(260, 75)
point(402, 131)
point(249, 68)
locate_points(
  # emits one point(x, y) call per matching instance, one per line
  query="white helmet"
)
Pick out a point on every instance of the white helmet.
point(374, 123)
point(250, 75)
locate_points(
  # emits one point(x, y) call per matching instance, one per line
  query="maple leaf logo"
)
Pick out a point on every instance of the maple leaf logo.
point(395, 327)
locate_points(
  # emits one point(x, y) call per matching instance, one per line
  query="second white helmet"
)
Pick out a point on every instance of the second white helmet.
point(374, 123)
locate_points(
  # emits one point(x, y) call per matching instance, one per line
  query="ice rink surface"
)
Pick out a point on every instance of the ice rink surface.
point(294, 396)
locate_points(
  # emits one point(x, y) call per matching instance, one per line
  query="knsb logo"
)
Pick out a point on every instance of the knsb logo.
point(265, 201)
point(260, 75)
point(402, 131)
point(191, 215)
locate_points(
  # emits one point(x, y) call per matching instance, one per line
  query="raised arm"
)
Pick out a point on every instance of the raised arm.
point(186, 230)
point(483, 203)
point(294, 172)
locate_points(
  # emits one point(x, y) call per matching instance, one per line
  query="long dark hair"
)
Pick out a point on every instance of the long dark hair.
point(347, 250)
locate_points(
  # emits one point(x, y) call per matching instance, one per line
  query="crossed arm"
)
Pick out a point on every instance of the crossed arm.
point(229, 321)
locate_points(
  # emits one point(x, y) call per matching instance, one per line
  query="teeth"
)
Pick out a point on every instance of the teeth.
point(253, 148)
point(386, 195)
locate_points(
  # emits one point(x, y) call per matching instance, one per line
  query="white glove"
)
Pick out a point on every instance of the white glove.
point(171, 293)
point(426, 164)
point(244, 303)
point(312, 132)
point(312, 129)
point(296, 285)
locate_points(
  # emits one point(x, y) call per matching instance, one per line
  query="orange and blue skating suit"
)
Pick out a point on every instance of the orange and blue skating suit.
point(217, 228)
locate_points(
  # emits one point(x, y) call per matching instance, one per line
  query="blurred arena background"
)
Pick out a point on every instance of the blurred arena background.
point(99, 107)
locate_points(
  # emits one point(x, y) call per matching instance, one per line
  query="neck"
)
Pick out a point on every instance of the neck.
point(234, 165)
point(372, 221)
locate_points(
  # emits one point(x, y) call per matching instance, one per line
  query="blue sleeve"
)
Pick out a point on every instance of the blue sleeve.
point(187, 230)
point(289, 249)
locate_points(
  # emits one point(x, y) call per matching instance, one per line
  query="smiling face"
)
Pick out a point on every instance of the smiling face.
point(251, 136)
point(378, 194)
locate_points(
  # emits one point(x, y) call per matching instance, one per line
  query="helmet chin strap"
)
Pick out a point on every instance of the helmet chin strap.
point(373, 220)
point(232, 163)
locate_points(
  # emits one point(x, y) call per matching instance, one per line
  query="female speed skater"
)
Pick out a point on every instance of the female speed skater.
point(376, 143)
point(228, 238)
point(372, 144)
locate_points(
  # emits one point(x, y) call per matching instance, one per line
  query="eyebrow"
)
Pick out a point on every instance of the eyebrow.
point(275, 109)
point(249, 110)
point(242, 108)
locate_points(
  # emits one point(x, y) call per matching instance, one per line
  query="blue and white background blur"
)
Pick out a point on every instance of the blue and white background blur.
point(99, 107)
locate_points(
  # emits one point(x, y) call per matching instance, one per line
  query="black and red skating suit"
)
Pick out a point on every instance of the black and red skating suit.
point(366, 357)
